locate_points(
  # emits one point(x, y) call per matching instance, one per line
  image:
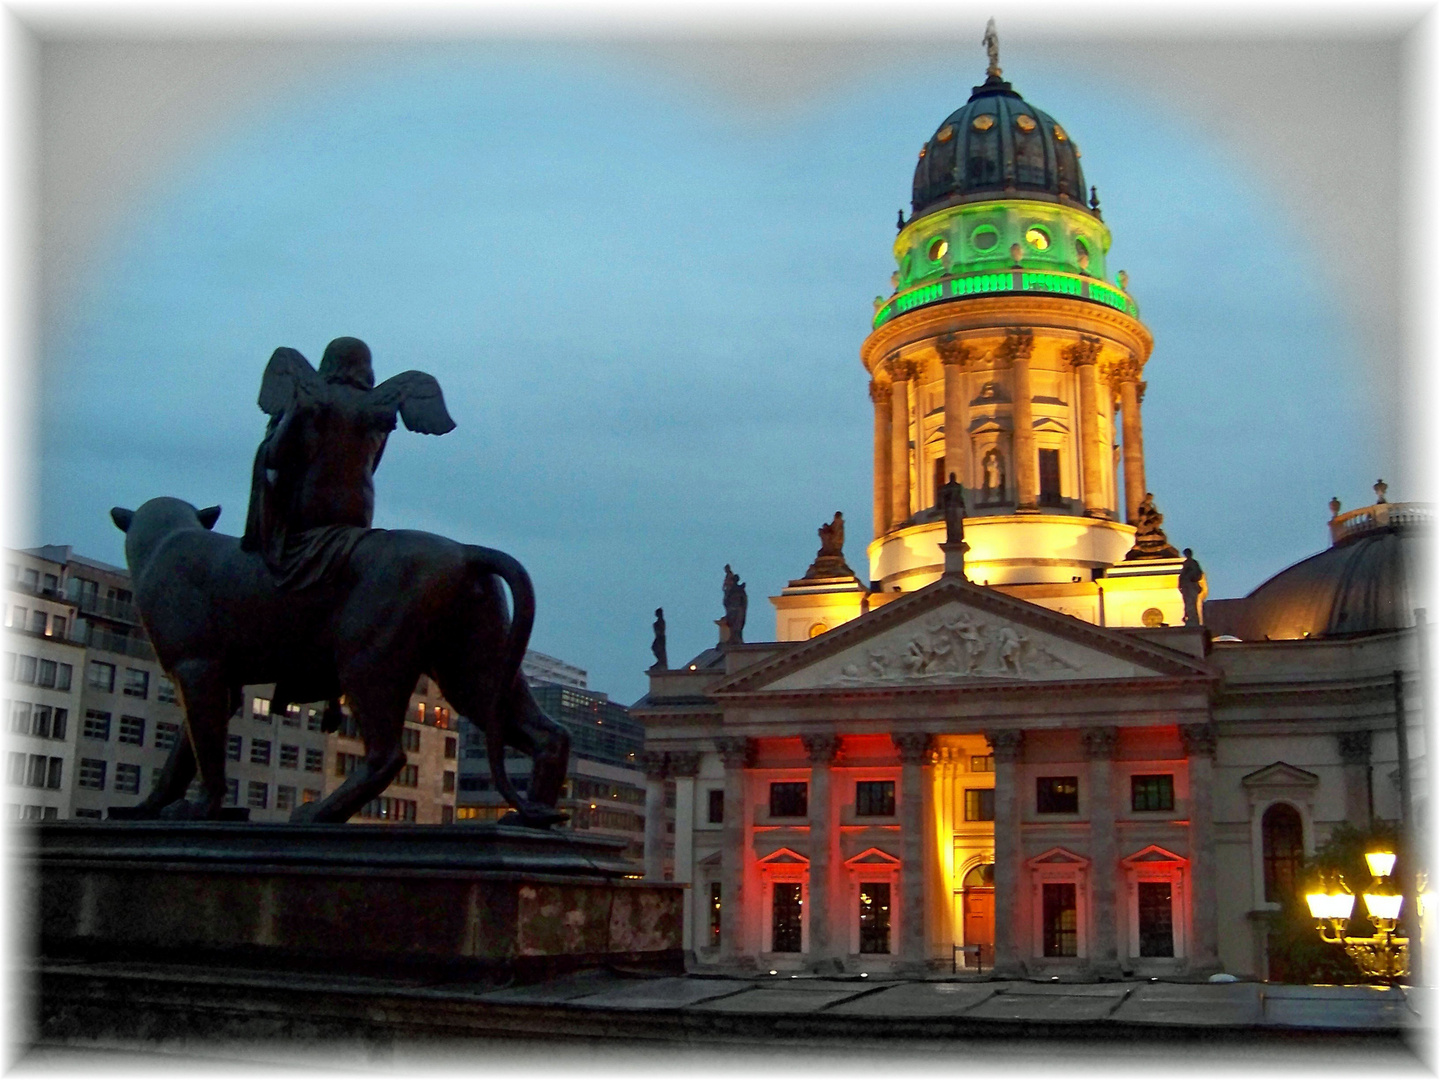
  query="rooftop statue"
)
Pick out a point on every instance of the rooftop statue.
point(830, 559)
point(315, 601)
point(1150, 539)
point(732, 626)
point(658, 645)
point(1192, 579)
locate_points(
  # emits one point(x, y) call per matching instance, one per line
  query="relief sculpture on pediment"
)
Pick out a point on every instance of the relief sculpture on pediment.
point(960, 647)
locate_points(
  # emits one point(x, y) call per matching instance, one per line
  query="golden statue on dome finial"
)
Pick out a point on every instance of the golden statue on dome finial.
point(991, 41)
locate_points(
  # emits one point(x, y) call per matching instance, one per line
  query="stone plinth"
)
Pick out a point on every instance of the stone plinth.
point(420, 898)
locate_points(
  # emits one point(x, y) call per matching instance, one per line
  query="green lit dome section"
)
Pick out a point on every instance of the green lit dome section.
point(982, 236)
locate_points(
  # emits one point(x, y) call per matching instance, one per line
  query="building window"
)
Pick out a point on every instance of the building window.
point(716, 809)
point(292, 716)
point(1157, 931)
point(54, 778)
point(165, 691)
point(232, 792)
point(447, 815)
point(1057, 795)
point(127, 779)
point(785, 915)
point(259, 751)
point(100, 676)
point(166, 735)
point(980, 804)
point(232, 747)
point(45, 674)
point(137, 683)
point(715, 914)
point(260, 709)
point(289, 756)
point(37, 622)
point(97, 724)
point(25, 673)
point(387, 808)
point(284, 797)
point(89, 814)
point(314, 760)
point(1283, 848)
point(15, 771)
point(447, 780)
point(789, 798)
point(1050, 477)
point(310, 795)
point(874, 916)
point(40, 722)
point(132, 730)
point(313, 719)
point(92, 774)
point(20, 718)
point(411, 740)
point(408, 776)
point(982, 762)
point(58, 722)
point(257, 794)
point(345, 764)
point(1152, 792)
point(35, 771)
point(1058, 918)
point(63, 676)
point(451, 747)
point(875, 798)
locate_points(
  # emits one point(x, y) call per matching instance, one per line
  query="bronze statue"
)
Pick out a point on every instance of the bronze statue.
point(951, 498)
point(732, 626)
point(658, 645)
point(1191, 579)
point(1150, 539)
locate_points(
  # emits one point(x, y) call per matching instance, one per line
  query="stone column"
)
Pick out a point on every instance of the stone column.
point(1199, 743)
point(825, 901)
point(737, 754)
point(1355, 759)
point(917, 406)
point(880, 398)
point(899, 442)
point(1100, 743)
point(653, 762)
point(1012, 940)
point(914, 749)
point(1082, 356)
point(1127, 376)
point(1016, 348)
point(954, 357)
point(684, 766)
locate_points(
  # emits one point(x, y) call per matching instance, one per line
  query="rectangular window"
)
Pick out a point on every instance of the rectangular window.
point(233, 746)
point(100, 676)
point(54, 780)
point(716, 808)
point(289, 756)
point(310, 795)
point(1152, 792)
point(137, 683)
point(1057, 903)
point(259, 751)
point(314, 760)
point(166, 735)
point(26, 670)
point(447, 780)
point(132, 730)
point(45, 673)
point(715, 914)
point(20, 718)
point(980, 804)
point(260, 709)
point(785, 916)
point(97, 725)
point(345, 764)
point(284, 797)
point(127, 779)
point(1157, 932)
point(874, 916)
point(15, 769)
point(58, 626)
point(875, 798)
point(409, 776)
point(35, 771)
point(313, 719)
point(59, 721)
point(447, 815)
point(63, 677)
point(92, 774)
point(165, 691)
point(37, 622)
point(40, 722)
point(1057, 795)
point(17, 617)
point(83, 813)
point(411, 740)
point(232, 792)
point(1050, 477)
point(450, 747)
point(257, 795)
point(292, 716)
point(789, 798)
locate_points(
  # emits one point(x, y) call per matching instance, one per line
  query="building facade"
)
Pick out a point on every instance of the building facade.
point(1026, 756)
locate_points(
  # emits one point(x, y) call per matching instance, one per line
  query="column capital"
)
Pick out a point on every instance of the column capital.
point(1100, 742)
point(1354, 747)
point(1140, 385)
point(952, 351)
point(1008, 746)
point(914, 747)
point(901, 370)
point(821, 749)
point(1082, 352)
point(685, 763)
point(879, 392)
point(736, 751)
point(1122, 369)
point(654, 764)
point(1198, 739)
point(1018, 344)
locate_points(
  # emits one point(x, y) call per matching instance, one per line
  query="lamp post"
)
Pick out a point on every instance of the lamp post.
point(1382, 955)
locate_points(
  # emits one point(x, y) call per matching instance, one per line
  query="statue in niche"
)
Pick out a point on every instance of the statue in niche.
point(732, 626)
point(658, 645)
point(1150, 539)
point(993, 467)
point(1192, 579)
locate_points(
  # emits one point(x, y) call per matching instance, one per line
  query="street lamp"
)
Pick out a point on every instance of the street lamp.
point(1382, 955)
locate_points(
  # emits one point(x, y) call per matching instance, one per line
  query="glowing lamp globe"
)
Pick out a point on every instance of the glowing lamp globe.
point(1384, 905)
point(1331, 905)
point(1380, 862)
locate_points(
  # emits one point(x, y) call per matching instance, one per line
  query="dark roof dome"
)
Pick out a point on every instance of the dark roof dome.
point(1361, 584)
point(998, 146)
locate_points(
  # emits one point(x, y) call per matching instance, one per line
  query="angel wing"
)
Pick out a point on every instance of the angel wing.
point(418, 398)
point(286, 369)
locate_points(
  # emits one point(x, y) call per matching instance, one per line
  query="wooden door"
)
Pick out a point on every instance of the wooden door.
point(980, 922)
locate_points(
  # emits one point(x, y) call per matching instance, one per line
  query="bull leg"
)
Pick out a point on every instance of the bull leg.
point(381, 718)
point(547, 743)
point(207, 721)
point(174, 778)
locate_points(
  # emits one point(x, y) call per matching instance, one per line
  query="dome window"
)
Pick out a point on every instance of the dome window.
point(985, 238)
point(1060, 133)
point(937, 249)
point(945, 134)
point(983, 122)
point(1025, 122)
point(1037, 238)
point(1082, 254)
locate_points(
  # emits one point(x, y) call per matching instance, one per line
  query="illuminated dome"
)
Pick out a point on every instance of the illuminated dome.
point(997, 145)
point(1361, 584)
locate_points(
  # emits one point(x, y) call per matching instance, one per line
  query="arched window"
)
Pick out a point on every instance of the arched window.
point(1284, 850)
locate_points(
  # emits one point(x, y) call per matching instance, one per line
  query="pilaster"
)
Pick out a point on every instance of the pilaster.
point(737, 754)
point(954, 358)
point(900, 372)
point(824, 938)
point(880, 398)
point(654, 765)
point(1082, 356)
point(1198, 741)
point(1016, 350)
point(915, 754)
point(1355, 769)
point(1100, 744)
point(1011, 939)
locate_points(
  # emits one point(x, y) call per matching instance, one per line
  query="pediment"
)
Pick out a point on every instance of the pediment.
point(1057, 856)
point(873, 858)
point(1279, 774)
point(784, 857)
point(711, 861)
point(1049, 423)
point(957, 634)
point(1149, 856)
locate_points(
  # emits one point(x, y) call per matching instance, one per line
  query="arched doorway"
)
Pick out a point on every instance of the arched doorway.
point(977, 915)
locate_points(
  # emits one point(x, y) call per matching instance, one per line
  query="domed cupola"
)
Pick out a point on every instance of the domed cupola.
point(997, 145)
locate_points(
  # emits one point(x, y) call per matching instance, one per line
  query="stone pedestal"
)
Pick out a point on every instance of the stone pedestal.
point(483, 900)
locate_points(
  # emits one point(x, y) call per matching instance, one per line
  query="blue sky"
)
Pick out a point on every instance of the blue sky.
point(645, 306)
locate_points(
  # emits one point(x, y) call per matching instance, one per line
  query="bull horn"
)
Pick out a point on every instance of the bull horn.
point(209, 516)
point(122, 517)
